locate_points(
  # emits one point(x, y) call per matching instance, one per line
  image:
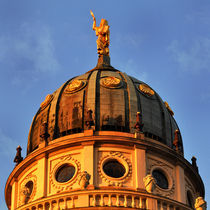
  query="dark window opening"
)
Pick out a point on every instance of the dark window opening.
point(152, 136)
point(71, 131)
point(30, 186)
point(160, 179)
point(65, 173)
point(189, 199)
point(113, 128)
point(114, 169)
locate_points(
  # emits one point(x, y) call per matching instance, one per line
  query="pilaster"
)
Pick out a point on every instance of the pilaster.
point(140, 167)
point(42, 177)
point(180, 184)
point(14, 194)
point(88, 161)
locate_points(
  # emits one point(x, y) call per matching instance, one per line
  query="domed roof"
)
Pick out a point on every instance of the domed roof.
point(109, 99)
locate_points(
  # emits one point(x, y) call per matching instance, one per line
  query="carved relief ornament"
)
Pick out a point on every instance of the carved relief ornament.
point(111, 82)
point(123, 160)
point(146, 90)
point(200, 204)
point(83, 179)
point(149, 183)
point(169, 108)
point(64, 186)
point(47, 101)
point(75, 86)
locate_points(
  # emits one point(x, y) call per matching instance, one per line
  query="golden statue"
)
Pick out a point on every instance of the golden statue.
point(103, 35)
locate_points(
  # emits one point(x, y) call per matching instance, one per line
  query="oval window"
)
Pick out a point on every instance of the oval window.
point(65, 173)
point(160, 179)
point(114, 168)
point(29, 186)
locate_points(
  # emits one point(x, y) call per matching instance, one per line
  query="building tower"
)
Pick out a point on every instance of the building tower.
point(104, 140)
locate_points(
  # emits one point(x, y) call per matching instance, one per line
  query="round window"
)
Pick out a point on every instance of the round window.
point(114, 168)
point(65, 173)
point(160, 179)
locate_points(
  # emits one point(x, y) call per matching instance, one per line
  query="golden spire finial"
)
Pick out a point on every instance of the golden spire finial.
point(103, 36)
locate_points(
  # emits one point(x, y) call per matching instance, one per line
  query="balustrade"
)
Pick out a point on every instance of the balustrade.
point(105, 199)
point(118, 200)
point(54, 204)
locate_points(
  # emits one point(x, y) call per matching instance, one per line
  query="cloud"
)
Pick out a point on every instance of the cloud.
point(8, 145)
point(193, 58)
point(28, 53)
point(201, 16)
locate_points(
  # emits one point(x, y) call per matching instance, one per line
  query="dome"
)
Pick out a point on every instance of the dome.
point(109, 99)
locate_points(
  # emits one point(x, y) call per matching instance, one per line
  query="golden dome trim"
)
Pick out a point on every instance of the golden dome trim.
point(75, 86)
point(169, 108)
point(146, 89)
point(47, 101)
point(111, 82)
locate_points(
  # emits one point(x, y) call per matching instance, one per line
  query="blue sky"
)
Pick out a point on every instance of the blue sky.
point(163, 43)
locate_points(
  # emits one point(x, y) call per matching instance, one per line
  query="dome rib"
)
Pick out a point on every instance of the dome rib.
point(127, 118)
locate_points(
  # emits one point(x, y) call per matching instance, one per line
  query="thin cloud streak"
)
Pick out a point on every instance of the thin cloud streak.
point(28, 53)
point(195, 58)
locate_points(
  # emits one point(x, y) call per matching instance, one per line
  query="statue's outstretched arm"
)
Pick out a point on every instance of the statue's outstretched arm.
point(94, 20)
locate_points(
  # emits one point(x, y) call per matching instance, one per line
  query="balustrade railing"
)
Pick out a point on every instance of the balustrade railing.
point(66, 202)
point(118, 200)
point(104, 199)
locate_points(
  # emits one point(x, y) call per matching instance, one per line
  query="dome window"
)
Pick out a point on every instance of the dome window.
point(189, 199)
point(114, 168)
point(65, 173)
point(160, 178)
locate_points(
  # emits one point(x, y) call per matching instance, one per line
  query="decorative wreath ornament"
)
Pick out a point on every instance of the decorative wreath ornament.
point(146, 90)
point(64, 186)
point(75, 86)
point(111, 82)
point(47, 101)
point(122, 160)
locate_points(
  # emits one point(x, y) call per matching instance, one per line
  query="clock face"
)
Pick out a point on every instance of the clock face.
point(146, 89)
